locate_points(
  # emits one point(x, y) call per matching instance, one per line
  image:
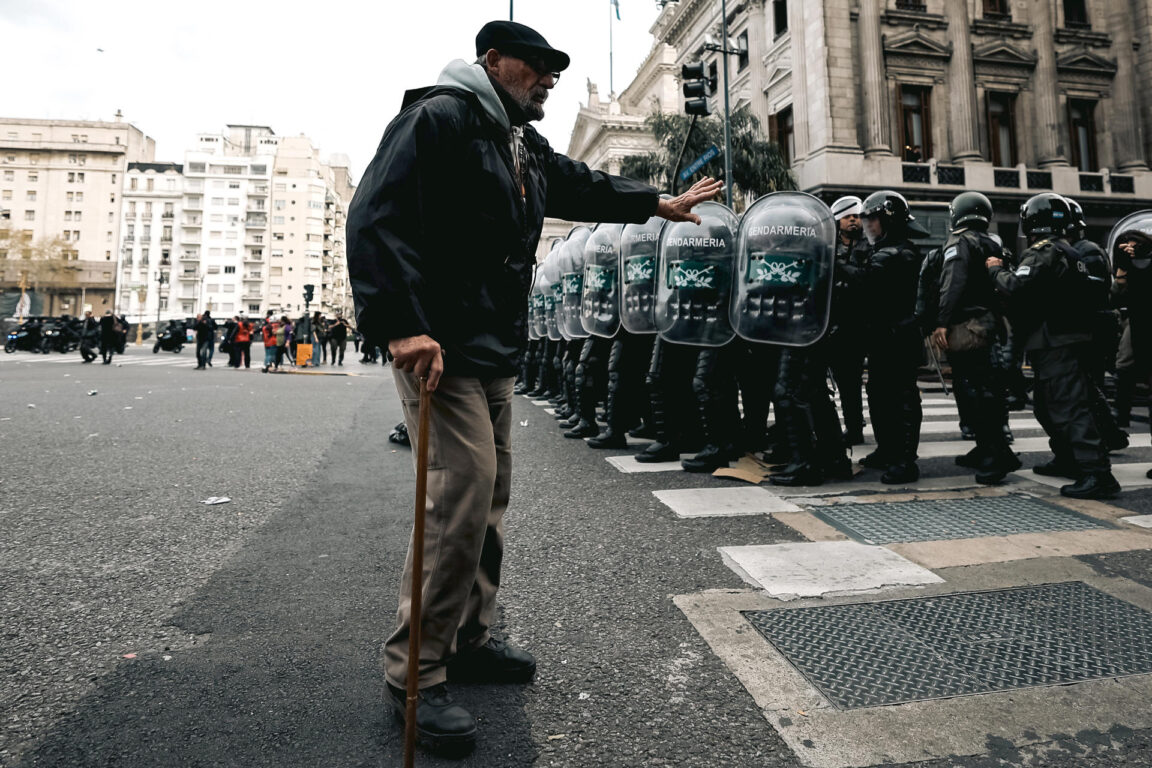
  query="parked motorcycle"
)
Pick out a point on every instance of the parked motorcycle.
point(59, 336)
point(171, 339)
point(27, 338)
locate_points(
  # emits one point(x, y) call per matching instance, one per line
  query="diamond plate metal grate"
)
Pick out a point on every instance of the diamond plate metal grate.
point(876, 654)
point(935, 520)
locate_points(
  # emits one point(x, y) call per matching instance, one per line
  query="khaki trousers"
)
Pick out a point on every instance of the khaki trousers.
point(469, 477)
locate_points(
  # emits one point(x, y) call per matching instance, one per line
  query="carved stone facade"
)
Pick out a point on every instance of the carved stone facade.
point(1052, 96)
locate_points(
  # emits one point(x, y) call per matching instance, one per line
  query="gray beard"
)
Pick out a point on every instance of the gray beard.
point(524, 99)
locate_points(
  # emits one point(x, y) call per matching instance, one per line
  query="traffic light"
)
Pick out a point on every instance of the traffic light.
point(308, 288)
point(697, 88)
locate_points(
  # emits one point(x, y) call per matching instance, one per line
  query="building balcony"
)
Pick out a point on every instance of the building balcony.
point(166, 239)
point(253, 259)
point(254, 278)
point(192, 257)
point(188, 276)
point(256, 221)
point(193, 205)
point(168, 215)
point(129, 238)
point(192, 221)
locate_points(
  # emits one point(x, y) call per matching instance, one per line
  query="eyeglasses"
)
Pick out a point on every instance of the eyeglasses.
point(539, 67)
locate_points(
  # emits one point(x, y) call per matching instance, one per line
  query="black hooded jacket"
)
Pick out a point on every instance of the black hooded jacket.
point(441, 240)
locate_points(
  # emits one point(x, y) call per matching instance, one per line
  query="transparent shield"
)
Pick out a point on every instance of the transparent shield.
point(1141, 222)
point(550, 290)
point(637, 270)
point(786, 254)
point(694, 277)
point(572, 283)
point(600, 303)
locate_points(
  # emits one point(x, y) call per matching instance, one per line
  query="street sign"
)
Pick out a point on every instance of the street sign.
point(699, 162)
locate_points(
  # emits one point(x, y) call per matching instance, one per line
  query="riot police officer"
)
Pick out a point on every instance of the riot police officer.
point(893, 343)
point(846, 347)
point(1048, 301)
point(1101, 353)
point(967, 326)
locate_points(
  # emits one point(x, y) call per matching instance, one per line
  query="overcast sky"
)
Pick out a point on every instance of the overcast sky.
point(335, 70)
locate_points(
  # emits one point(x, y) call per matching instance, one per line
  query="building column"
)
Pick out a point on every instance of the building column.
point(872, 80)
point(800, 121)
point(1127, 135)
point(965, 124)
point(1051, 138)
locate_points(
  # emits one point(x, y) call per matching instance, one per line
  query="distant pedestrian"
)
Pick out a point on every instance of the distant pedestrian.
point(242, 342)
point(109, 331)
point(122, 334)
point(320, 339)
point(268, 332)
point(226, 344)
point(89, 334)
point(338, 339)
point(205, 337)
point(283, 341)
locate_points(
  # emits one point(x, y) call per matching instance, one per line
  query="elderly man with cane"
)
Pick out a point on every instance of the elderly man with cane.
point(442, 234)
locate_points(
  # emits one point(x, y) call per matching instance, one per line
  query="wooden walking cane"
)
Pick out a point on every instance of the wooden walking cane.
point(417, 598)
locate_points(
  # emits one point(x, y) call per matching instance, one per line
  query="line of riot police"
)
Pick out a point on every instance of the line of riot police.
point(690, 335)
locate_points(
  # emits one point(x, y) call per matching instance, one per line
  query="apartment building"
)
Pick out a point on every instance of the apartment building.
point(60, 209)
point(151, 212)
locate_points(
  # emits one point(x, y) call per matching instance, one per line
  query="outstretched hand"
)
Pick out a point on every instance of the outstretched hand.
point(680, 208)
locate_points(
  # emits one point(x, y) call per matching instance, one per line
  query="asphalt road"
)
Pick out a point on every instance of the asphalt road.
point(141, 627)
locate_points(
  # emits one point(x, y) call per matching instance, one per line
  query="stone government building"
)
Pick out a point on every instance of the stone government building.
point(1008, 97)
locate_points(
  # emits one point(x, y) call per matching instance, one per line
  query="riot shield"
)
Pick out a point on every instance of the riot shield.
point(786, 253)
point(572, 279)
point(536, 306)
point(600, 303)
point(694, 277)
point(637, 271)
point(1141, 221)
point(551, 290)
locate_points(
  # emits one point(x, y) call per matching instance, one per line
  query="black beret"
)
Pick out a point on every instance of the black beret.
point(519, 40)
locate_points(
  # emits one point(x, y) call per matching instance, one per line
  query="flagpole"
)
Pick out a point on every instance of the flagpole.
point(611, 73)
point(510, 5)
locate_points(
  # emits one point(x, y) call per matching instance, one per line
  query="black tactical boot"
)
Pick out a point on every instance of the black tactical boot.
point(1117, 441)
point(1097, 485)
point(609, 438)
point(972, 460)
point(441, 725)
point(658, 452)
point(995, 468)
point(838, 469)
point(904, 472)
point(710, 459)
point(583, 429)
point(645, 431)
point(798, 474)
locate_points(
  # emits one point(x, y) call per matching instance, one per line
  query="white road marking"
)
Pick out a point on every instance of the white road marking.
point(724, 502)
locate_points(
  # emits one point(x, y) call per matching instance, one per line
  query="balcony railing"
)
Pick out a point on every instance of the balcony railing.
point(1091, 182)
point(950, 174)
point(1123, 184)
point(1006, 177)
point(1039, 179)
point(917, 173)
point(168, 215)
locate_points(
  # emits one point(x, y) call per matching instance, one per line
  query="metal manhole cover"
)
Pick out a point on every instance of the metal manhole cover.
point(934, 520)
point(875, 654)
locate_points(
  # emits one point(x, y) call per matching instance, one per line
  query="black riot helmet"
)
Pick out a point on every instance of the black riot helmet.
point(970, 210)
point(1045, 215)
point(1078, 223)
point(889, 205)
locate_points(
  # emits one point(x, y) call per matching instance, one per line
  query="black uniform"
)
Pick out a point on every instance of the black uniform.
point(894, 348)
point(1101, 353)
point(967, 295)
point(846, 339)
point(1051, 319)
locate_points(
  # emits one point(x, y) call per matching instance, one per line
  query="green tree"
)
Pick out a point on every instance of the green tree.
point(758, 167)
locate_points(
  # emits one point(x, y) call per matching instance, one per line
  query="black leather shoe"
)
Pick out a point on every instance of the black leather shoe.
point(493, 662)
point(658, 452)
point(519, 389)
point(583, 429)
point(905, 472)
point(875, 460)
point(608, 439)
point(995, 468)
point(562, 414)
point(1148, 474)
point(441, 725)
point(710, 459)
point(798, 474)
point(1099, 485)
point(1057, 468)
point(972, 460)
point(967, 433)
point(778, 454)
